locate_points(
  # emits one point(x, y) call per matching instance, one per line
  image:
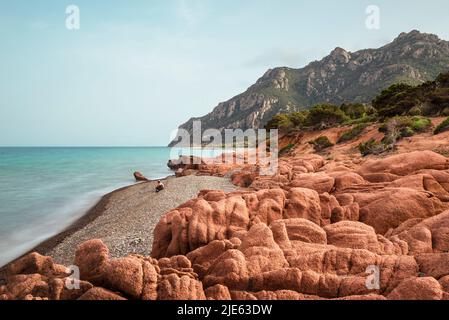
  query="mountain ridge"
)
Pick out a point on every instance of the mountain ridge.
point(340, 77)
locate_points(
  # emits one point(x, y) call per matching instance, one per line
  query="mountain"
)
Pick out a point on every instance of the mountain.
point(342, 76)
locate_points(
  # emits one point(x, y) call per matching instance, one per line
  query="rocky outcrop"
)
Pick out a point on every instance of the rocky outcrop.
point(102, 278)
point(339, 228)
point(140, 177)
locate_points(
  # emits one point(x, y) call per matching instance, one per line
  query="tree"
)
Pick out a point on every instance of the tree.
point(325, 116)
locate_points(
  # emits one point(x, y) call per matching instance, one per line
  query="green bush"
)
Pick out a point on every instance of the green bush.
point(357, 110)
point(444, 126)
point(299, 119)
point(352, 133)
point(429, 98)
point(321, 143)
point(326, 116)
point(405, 126)
point(280, 121)
point(420, 124)
point(286, 149)
point(372, 147)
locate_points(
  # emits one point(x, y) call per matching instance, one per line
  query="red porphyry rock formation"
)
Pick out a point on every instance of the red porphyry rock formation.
point(318, 229)
point(140, 177)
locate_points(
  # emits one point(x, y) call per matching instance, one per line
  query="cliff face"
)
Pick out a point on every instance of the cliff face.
point(340, 77)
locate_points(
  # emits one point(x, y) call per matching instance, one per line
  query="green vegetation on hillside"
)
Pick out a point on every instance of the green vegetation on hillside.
point(428, 99)
point(353, 133)
point(401, 110)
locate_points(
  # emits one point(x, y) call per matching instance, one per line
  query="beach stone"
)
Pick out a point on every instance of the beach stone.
point(59, 290)
point(92, 258)
point(175, 287)
point(218, 292)
point(417, 289)
point(124, 275)
point(140, 177)
point(98, 293)
point(32, 263)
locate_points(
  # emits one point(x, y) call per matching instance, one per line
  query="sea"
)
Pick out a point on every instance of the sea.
point(45, 190)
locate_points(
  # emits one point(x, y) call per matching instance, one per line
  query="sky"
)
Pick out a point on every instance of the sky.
point(135, 70)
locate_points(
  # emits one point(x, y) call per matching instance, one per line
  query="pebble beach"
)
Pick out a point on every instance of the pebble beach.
point(125, 219)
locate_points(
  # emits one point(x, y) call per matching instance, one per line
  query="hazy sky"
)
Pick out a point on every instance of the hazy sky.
point(137, 69)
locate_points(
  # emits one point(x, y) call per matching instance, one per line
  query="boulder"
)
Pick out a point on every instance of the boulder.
point(417, 289)
point(92, 259)
point(140, 177)
point(98, 293)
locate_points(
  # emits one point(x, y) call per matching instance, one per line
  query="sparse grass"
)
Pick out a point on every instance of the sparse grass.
point(321, 143)
point(444, 126)
point(372, 147)
point(352, 133)
point(287, 149)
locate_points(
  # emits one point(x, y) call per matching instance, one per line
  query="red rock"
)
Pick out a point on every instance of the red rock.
point(31, 264)
point(302, 230)
point(320, 182)
point(426, 236)
point(354, 235)
point(417, 289)
point(202, 258)
point(60, 291)
point(387, 209)
point(303, 203)
point(444, 282)
point(434, 265)
point(218, 292)
point(20, 286)
point(98, 293)
point(92, 257)
point(346, 179)
point(140, 177)
point(125, 275)
point(406, 163)
point(173, 287)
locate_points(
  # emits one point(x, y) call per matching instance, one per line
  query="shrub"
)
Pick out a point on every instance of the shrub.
point(419, 124)
point(415, 111)
point(321, 143)
point(444, 126)
point(398, 99)
point(352, 133)
point(429, 98)
point(326, 116)
point(286, 149)
point(298, 118)
point(280, 121)
point(372, 147)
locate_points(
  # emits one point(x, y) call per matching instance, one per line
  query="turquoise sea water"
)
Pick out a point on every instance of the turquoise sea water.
point(44, 190)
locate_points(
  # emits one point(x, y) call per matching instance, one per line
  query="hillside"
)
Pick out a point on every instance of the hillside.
point(342, 76)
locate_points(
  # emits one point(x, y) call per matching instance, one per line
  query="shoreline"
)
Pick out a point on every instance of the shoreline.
point(106, 219)
point(88, 217)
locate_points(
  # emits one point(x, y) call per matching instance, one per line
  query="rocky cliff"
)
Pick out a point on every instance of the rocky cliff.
point(340, 77)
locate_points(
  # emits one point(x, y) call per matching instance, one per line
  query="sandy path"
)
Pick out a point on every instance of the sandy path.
point(125, 219)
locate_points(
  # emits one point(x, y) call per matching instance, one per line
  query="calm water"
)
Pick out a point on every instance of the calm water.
point(43, 190)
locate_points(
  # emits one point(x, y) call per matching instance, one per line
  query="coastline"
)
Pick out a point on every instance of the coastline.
point(61, 246)
point(90, 215)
